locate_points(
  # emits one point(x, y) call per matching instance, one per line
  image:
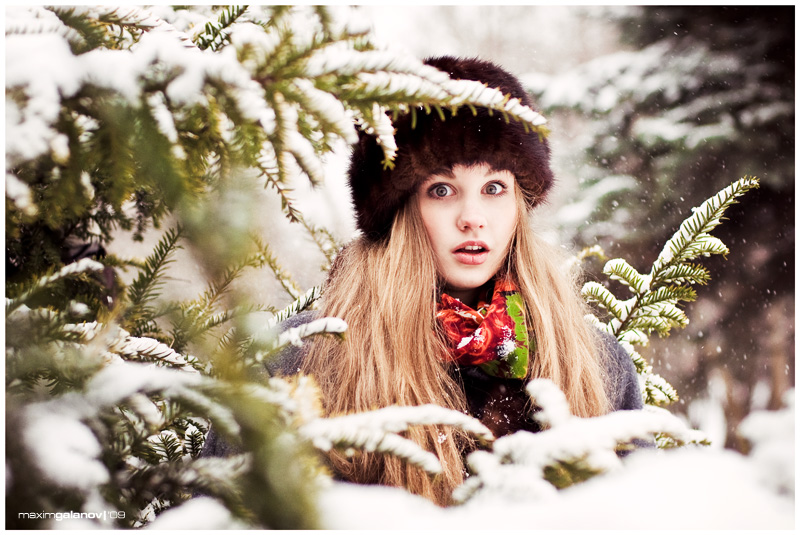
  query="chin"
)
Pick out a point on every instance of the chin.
point(470, 282)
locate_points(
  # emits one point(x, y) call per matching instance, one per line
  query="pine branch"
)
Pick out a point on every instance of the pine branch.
point(268, 166)
point(374, 121)
point(618, 269)
point(599, 294)
point(304, 302)
point(295, 335)
point(217, 33)
point(194, 324)
point(328, 112)
point(378, 431)
point(657, 295)
point(90, 35)
point(324, 240)
point(150, 348)
point(294, 143)
point(283, 277)
point(264, 344)
point(595, 251)
point(167, 446)
point(148, 284)
point(687, 273)
point(43, 284)
point(264, 349)
point(217, 289)
point(194, 439)
point(692, 238)
point(218, 475)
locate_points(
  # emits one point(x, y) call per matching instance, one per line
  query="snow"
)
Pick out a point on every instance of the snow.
point(694, 488)
point(81, 266)
point(136, 346)
point(329, 108)
point(348, 506)
point(65, 451)
point(708, 413)
point(43, 66)
point(772, 436)
point(379, 430)
point(119, 380)
point(379, 125)
point(506, 347)
point(554, 408)
point(163, 116)
point(757, 115)
point(305, 155)
point(255, 40)
point(295, 335)
point(654, 131)
point(200, 514)
point(687, 489)
point(146, 410)
point(20, 194)
point(339, 58)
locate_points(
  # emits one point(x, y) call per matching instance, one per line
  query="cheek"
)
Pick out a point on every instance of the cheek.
point(506, 222)
point(428, 222)
point(433, 219)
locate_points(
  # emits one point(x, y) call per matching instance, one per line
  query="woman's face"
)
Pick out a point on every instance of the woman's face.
point(470, 215)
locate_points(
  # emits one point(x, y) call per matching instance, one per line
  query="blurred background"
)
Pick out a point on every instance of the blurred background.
point(652, 110)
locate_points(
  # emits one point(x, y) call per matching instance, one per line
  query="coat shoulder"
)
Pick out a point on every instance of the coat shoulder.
point(621, 376)
point(288, 361)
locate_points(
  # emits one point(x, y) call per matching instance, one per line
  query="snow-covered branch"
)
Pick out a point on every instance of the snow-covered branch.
point(568, 450)
point(378, 431)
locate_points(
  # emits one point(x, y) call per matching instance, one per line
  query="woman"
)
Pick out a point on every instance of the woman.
point(449, 296)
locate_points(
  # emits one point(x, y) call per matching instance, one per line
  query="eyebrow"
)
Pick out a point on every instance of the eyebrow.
point(447, 172)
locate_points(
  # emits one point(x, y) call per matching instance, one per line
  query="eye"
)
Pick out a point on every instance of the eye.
point(440, 190)
point(494, 188)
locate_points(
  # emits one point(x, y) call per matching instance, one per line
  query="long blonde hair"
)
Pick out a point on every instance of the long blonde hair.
point(392, 354)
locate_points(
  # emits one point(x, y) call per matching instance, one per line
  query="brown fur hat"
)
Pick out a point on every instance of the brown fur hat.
point(434, 145)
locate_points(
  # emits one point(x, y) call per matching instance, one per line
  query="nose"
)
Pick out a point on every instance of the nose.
point(471, 216)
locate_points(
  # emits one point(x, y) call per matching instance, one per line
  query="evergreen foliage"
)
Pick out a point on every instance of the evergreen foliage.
point(124, 119)
point(656, 295)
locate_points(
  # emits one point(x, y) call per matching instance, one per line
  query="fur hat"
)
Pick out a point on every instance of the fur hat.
point(434, 145)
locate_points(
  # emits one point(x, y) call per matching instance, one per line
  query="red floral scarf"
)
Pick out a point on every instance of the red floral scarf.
point(494, 337)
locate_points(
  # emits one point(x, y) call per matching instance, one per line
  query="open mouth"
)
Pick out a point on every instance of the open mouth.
point(471, 253)
point(471, 249)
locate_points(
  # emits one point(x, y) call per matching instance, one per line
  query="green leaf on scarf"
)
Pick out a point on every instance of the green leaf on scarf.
point(515, 364)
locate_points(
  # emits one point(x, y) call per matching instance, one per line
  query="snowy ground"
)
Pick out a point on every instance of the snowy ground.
point(678, 490)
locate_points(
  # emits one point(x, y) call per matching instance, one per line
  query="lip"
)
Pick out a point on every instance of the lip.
point(471, 259)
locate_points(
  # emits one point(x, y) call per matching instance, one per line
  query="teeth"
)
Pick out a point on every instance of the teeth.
point(473, 248)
